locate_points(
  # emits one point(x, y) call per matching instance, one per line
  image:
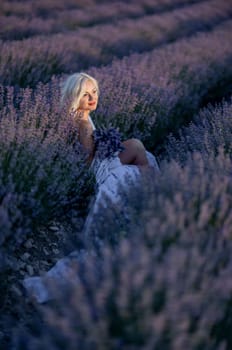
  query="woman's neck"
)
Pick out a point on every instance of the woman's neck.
point(83, 115)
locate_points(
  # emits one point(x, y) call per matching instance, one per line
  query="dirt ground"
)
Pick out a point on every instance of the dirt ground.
point(37, 255)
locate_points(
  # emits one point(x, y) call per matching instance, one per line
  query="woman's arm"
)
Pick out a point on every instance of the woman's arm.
point(86, 138)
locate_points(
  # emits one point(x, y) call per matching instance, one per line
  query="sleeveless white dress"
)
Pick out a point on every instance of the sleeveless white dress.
point(109, 174)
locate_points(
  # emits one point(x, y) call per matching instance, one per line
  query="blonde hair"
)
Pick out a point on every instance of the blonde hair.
point(72, 87)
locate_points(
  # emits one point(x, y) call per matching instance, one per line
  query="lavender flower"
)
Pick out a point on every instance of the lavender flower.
point(107, 141)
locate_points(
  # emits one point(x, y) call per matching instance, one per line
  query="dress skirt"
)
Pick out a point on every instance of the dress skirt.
point(109, 174)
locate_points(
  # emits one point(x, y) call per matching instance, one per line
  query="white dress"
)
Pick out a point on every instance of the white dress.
point(109, 174)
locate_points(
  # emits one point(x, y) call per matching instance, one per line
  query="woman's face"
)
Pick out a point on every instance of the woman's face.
point(89, 97)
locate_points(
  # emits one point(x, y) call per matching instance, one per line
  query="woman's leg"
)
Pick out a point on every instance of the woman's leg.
point(134, 153)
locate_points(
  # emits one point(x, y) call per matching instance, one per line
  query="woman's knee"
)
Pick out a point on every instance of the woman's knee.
point(135, 152)
point(135, 143)
point(130, 153)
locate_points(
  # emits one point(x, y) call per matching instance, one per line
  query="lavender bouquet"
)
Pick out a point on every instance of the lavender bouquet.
point(107, 142)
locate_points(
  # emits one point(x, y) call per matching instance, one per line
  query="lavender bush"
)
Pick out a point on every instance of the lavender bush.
point(43, 8)
point(161, 90)
point(209, 130)
point(29, 61)
point(50, 8)
point(167, 285)
point(196, 197)
point(16, 27)
point(43, 175)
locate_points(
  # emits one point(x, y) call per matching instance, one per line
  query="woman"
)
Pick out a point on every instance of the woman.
point(80, 93)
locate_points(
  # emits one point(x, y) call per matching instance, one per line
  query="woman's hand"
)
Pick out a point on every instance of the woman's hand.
point(80, 115)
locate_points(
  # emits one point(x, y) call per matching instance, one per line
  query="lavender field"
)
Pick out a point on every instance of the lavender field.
point(156, 272)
